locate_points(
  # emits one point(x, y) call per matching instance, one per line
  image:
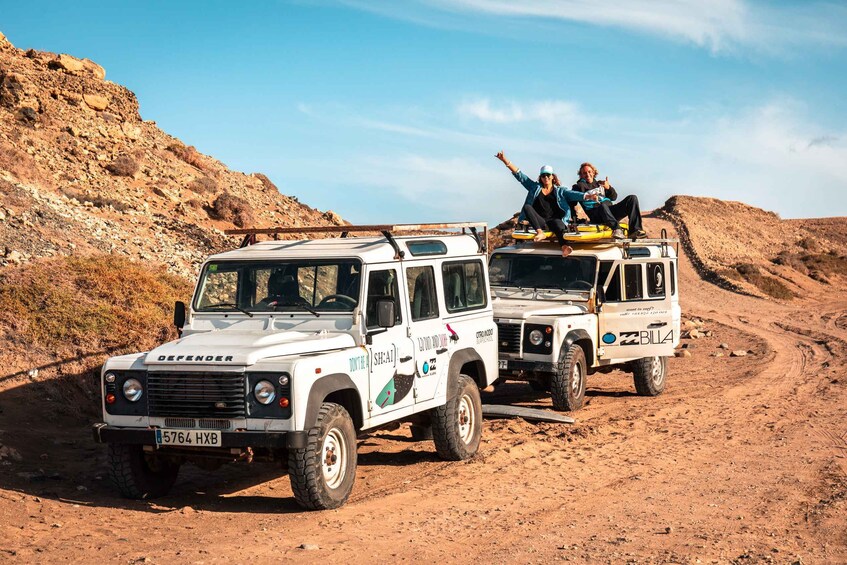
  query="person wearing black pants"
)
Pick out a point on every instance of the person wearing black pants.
point(603, 211)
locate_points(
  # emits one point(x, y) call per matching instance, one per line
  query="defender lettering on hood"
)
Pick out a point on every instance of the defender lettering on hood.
point(198, 358)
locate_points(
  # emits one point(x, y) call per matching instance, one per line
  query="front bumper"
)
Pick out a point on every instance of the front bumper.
point(104, 433)
point(517, 368)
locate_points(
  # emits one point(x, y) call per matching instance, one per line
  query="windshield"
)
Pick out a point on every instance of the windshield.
point(542, 271)
point(271, 286)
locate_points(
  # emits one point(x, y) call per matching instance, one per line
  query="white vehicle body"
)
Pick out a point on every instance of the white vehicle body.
point(618, 301)
point(237, 349)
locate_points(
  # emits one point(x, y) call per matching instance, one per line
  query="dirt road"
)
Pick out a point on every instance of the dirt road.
point(742, 459)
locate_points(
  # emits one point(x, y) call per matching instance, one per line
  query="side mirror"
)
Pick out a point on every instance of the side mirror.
point(179, 314)
point(385, 313)
point(601, 295)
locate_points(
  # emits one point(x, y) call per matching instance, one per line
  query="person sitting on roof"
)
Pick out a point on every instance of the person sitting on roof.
point(547, 204)
point(603, 211)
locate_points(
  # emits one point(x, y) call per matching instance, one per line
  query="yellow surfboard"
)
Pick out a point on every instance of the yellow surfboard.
point(584, 232)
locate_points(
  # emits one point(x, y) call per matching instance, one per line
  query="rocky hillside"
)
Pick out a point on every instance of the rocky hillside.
point(81, 172)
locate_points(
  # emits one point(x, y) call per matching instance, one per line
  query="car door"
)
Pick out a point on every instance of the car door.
point(427, 329)
point(391, 369)
point(636, 318)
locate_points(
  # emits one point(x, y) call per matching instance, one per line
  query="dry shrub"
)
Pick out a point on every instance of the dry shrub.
point(203, 185)
point(768, 285)
point(196, 204)
point(792, 260)
point(828, 263)
point(232, 209)
point(266, 183)
point(809, 244)
point(123, 166)
point(188, 154)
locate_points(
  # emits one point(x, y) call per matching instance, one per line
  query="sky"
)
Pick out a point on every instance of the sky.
point(387, 111)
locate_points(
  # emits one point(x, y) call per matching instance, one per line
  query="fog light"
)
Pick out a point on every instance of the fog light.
point(110, 377)
point(133, 390)
point(110, 398)
point(264, 392)
point(283, 402)
point(536, 337)
point(284, 380)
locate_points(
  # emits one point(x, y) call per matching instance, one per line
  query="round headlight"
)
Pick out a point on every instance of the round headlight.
point(264, 392)
point(133, 390)
point(110, 377)
point(284, 380)
point(536, 337)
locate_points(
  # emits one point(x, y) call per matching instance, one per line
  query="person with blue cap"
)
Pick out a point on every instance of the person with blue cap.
point(548, 203)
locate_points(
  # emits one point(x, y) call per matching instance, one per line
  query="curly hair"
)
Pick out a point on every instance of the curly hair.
point(579, 171)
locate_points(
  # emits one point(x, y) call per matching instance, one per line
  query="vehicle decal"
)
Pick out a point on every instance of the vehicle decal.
point(428, 367)
point(197, 358)
point(384, 357)
point(358, 363)
point(609, 338)
point(395, 390)
point(645, 337)
point(484, 336)
point(432, 342)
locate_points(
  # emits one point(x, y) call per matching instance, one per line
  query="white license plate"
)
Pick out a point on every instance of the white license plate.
point(504, 364)
point(192, 438)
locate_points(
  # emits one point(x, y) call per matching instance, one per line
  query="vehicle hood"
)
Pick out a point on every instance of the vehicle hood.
point(241, 347)
point(523, 309)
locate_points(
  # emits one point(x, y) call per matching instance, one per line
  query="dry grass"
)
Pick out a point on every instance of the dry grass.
point(188, 154)
point(203, 185)
point(232, 209)
point(769, 285)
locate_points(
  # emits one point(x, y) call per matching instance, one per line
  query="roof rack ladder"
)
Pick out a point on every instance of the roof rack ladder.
point(664, 234)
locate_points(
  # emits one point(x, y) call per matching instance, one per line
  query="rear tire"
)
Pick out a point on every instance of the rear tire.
point(140, 475)
point(323, 472)
point(457, 425)
point(567, 387)
point(649, 375)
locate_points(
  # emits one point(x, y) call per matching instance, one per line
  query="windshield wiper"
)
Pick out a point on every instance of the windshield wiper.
point(230, 305)
point(277, 306)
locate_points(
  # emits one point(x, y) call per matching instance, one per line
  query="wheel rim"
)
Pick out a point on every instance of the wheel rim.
point(466, 418)
point(576, 379)
point(656, 372)
point(334, 458)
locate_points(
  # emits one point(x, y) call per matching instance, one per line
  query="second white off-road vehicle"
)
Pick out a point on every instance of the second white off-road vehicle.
point(609, 304)
point(290, 349)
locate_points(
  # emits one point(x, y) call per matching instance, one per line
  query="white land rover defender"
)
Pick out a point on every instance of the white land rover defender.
point(609, 304)
point(289, 349)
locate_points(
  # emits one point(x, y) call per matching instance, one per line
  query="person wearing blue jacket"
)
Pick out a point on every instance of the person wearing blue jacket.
point(547, 204)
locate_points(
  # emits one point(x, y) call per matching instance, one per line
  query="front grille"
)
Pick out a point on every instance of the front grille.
point(214, 424)
point(509, 337)
point(180, 422)
point(191, 423)
point(196, 395)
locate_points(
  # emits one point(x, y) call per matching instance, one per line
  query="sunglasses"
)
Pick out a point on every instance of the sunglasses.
point(546, 174)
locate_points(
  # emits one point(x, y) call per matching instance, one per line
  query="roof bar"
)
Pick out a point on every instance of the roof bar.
point(366, 228)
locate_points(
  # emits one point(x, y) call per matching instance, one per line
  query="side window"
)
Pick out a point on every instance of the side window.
point(632, 282)
point(655, 280)
point(422, 299)
point(673, 279)
point(382, 284)
point(464, 285)
point(613, 292)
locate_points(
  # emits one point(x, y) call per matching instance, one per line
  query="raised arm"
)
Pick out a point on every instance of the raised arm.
point(506, 162)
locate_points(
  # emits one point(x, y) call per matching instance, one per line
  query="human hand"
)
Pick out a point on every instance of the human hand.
point(592, 197)
point(606, 184)
point(501, 156)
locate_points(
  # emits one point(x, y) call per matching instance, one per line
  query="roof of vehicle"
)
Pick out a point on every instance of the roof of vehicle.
point(368, 249)
point(608, 250)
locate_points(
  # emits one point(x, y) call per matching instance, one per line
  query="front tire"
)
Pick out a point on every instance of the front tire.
point(649, 375)
point(567, 387)
point(323, 472)
point(457, 425)
point(140, 475)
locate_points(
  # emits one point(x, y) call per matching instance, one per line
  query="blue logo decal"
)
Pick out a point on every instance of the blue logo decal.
point(609, 338)
point(426, 368)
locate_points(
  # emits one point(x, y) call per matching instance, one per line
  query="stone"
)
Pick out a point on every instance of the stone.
point(738, 353)
point(10, 453)
point(96, 70)
point(14, 257)
point(724, 346)
point(131, 131)
point(4, 40)
point(683, 353)
point(695, 334)
point(2, 215)
point(96, 102)
point(718, 354)
point(309, 546)
point(66, 62)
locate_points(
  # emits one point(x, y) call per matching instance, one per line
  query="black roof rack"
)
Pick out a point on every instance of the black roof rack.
point(387, 230)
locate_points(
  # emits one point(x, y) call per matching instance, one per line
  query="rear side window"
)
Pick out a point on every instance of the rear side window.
point(655, 280)
point(464, 285)
point(422, 297)
point(632, 282)
point(673, 279)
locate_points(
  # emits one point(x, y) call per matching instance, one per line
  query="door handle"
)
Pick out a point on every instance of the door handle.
point(404, 359)
point(657, 325)
point(440, 351)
